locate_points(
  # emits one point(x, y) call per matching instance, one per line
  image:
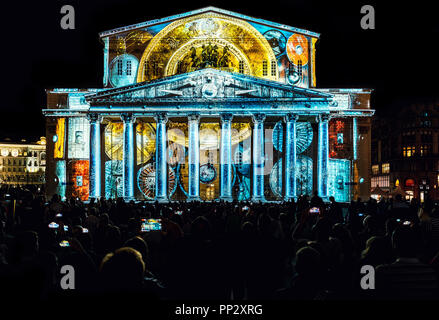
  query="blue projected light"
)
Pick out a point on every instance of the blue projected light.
point(338, 176)
point(304, 175)
point(113, 179)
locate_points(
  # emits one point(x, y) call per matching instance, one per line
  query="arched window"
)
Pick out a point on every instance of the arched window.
point(119, 67)
point(264, 68)
point(128, 68)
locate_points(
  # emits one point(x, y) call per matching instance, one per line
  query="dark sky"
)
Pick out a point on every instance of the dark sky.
point(398, 59)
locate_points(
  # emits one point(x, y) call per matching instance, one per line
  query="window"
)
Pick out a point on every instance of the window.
point(264, 68)
point(179, 69)
point(128, 68)
point(410, 183)
point(385, 167)
point(375, 169)
point(408, 151)
point(119, 67)
point(241, 66)
point(380, 181)
point(273, 68)
point(425, 150)
point(156, 68)
point(146, 68)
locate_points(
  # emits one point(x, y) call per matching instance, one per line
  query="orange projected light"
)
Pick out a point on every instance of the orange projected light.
point(297, 49)
point(79, 179)
point(59, 144)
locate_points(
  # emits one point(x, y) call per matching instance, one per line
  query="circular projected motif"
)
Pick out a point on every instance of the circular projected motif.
point(146, 181)
point(277, 41)
point(4, 152)
point(14, 152)
point(145, 141)
point(123, 70)
point(209, 90)
point(292, 76)
point(304, 136)
point(113, 134)
point(297, 49)
point(242, 160)
point(207, 173)
point(276, 179)
point(303, 175)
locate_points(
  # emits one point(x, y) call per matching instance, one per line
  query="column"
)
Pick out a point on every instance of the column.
point(290, 157)
point(128, 156)
point(258, 157)
point(355, 136)
point(194, 157)
point(161, 175)
point(323, 156)
point(226, 157)
point(95, 155)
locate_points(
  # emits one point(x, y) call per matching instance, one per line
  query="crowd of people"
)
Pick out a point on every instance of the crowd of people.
point(303, 250)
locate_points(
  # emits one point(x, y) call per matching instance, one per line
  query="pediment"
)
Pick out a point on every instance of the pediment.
point(207, 85)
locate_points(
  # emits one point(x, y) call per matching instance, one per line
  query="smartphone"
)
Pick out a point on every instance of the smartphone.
point(84, 230)
point(361, 214)
point(53, 225)
point(66, 228)
point(245, 208)
point(151, 225)
point(179, 212)
point(407, 223)
point(314, 210)
point(64, 244)
point(59, 215)
point(398, 220)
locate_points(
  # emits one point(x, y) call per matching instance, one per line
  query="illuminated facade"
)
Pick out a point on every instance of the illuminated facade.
point(23, 163)
point(208, 105)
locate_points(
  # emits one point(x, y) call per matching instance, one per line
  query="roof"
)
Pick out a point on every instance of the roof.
point(205, 10)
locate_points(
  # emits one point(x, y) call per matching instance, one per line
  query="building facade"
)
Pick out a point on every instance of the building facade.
point(208, 105)
point(405, 155)
point(23, 163)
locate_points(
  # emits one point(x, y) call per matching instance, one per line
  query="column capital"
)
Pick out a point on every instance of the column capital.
point(194, 117)
point(127, 117)
point(291, 117)
point(94, 117)
point(323, 117)
point(226, 117)
point(258, 117)
point(161, 117)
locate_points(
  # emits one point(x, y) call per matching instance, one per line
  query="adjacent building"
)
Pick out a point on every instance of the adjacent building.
point(23, 163)
point(405, 154)
point(208, 105)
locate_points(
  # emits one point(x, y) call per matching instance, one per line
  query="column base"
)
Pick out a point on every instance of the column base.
point(161, 199)
point(128, 199)
point(258, 198)
point(227, 198)
point(287, 199)
point(194, 198)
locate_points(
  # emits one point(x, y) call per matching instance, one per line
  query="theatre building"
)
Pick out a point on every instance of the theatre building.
point(209, 105)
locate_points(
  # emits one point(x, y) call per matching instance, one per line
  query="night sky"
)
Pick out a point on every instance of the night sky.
point(398, 59)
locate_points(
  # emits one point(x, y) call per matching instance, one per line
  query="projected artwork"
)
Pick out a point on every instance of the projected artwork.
point(113, 135)
point(277, 41)
point(59, 138)
point(145, 141)
point(276, 179)
point(304, 135)
point(297, 49)
point(60, 178)
point(123, 70)
point(207, 173)
point(146, 181)
point(338, 178)
point(78, 141)
point(79, 179)
point(113, 179)
point(304, 175)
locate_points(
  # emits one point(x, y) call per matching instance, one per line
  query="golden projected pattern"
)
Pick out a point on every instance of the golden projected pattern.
point(60, 136)
point(145, 141)
point(113, 134)
point(175, 42)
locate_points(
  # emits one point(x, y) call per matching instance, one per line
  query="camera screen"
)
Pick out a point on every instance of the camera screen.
point(151, 225)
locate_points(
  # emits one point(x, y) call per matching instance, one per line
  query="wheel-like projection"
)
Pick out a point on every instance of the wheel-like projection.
point(146, 181)
point(207, 173)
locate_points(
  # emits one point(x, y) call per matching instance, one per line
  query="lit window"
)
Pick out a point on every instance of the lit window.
point(128, 68)
point(273, 68)
point(264, 68)
point(408, 151)
point(386, 167)
point(375, 169)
